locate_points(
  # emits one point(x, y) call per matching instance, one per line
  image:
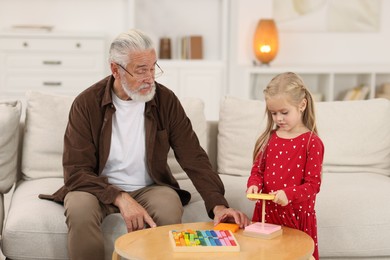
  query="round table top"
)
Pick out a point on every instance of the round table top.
point(154, 243)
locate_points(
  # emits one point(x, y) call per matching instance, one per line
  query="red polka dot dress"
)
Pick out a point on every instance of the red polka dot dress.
point(293, 165)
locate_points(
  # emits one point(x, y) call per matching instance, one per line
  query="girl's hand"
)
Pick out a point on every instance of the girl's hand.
point(252, 189)
point(280, 198)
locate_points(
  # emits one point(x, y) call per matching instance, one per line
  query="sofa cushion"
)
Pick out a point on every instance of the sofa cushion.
point(33, 226)
point(240, 123)
point(352, 215)
point(10, 112)
point(46, 120)
point(33, 233)
point(358, 138)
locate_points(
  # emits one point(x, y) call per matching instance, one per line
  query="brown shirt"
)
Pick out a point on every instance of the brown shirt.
point(87, 145)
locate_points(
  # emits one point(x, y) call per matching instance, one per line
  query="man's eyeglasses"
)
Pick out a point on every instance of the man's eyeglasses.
point(143, 73)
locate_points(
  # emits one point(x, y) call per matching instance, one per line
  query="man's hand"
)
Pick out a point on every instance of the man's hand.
point(229, 215)
point(134, 214)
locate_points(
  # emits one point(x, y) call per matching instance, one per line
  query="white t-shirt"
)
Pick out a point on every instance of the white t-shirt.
point(126, 164)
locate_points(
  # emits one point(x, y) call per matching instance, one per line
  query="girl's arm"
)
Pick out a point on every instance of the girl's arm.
point(255, 180)
point(312, 175)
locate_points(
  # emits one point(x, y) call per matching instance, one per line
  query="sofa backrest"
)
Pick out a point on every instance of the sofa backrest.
point(46, 120)
point(356, 135)
point(44, 128)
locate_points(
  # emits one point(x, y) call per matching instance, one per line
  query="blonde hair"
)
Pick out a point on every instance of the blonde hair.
point(292, 85)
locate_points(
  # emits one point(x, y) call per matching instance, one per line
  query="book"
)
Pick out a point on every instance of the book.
point(192, 47)
point(195, 47)
point(357, 93)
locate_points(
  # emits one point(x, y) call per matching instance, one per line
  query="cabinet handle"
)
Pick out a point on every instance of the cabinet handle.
point(52, 62)
point(52, 83)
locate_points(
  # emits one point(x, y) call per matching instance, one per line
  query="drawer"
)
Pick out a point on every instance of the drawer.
point(50, 83)
point(45, 61)
point(50, 44)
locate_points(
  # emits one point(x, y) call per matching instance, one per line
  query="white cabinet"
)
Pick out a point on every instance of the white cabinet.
point(201, 79)
point(326, 83)
point(50, 62)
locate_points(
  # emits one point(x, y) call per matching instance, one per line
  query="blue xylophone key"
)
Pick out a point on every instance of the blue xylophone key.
point(217, 242)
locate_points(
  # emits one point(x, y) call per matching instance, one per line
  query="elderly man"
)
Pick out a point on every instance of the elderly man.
point(115, 153)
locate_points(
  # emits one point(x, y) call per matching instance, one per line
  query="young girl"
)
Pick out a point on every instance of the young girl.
point(288, 157)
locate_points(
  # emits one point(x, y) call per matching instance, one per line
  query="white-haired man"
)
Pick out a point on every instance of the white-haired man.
point(115, 153)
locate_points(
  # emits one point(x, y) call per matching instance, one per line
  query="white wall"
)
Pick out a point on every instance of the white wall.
point(313, 47)
point(303, 48)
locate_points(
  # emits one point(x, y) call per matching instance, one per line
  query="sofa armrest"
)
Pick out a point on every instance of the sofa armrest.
point(212, 134)
point(10, 112)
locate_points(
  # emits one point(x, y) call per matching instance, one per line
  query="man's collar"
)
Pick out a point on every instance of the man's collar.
point(107, 98)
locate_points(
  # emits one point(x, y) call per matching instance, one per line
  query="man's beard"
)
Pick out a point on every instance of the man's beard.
point(136, 95)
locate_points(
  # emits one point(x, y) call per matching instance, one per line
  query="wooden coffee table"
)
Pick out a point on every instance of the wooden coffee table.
point(153, 243)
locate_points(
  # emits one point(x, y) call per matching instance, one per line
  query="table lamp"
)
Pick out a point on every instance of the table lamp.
point(265, 41)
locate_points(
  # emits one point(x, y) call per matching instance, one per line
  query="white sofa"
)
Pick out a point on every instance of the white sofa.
point(352, 206)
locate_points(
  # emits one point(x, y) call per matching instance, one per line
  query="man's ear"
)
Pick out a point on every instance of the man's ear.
point(114, 70)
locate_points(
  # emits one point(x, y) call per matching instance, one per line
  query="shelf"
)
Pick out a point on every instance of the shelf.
point(180, 18)
point(327, 83)
point(203, 78)
point(191, 63)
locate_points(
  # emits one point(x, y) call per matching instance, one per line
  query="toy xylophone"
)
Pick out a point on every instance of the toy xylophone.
point(203, 241)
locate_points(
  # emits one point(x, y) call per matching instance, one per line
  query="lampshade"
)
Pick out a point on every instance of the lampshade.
point(265, 41)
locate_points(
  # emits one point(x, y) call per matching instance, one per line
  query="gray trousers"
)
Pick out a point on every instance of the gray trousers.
point(85, 214)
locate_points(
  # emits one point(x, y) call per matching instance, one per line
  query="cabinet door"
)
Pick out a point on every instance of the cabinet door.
point(203, 84)
point(170, 79)
point(61, 84)
point(49, 62)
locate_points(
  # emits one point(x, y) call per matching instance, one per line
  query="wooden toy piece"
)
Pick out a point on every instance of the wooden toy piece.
point(262, 229)
point(203, 241)
point(260, 196)
point(227, 226)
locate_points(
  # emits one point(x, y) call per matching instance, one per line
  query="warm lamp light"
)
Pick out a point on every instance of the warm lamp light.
point(265, 41)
